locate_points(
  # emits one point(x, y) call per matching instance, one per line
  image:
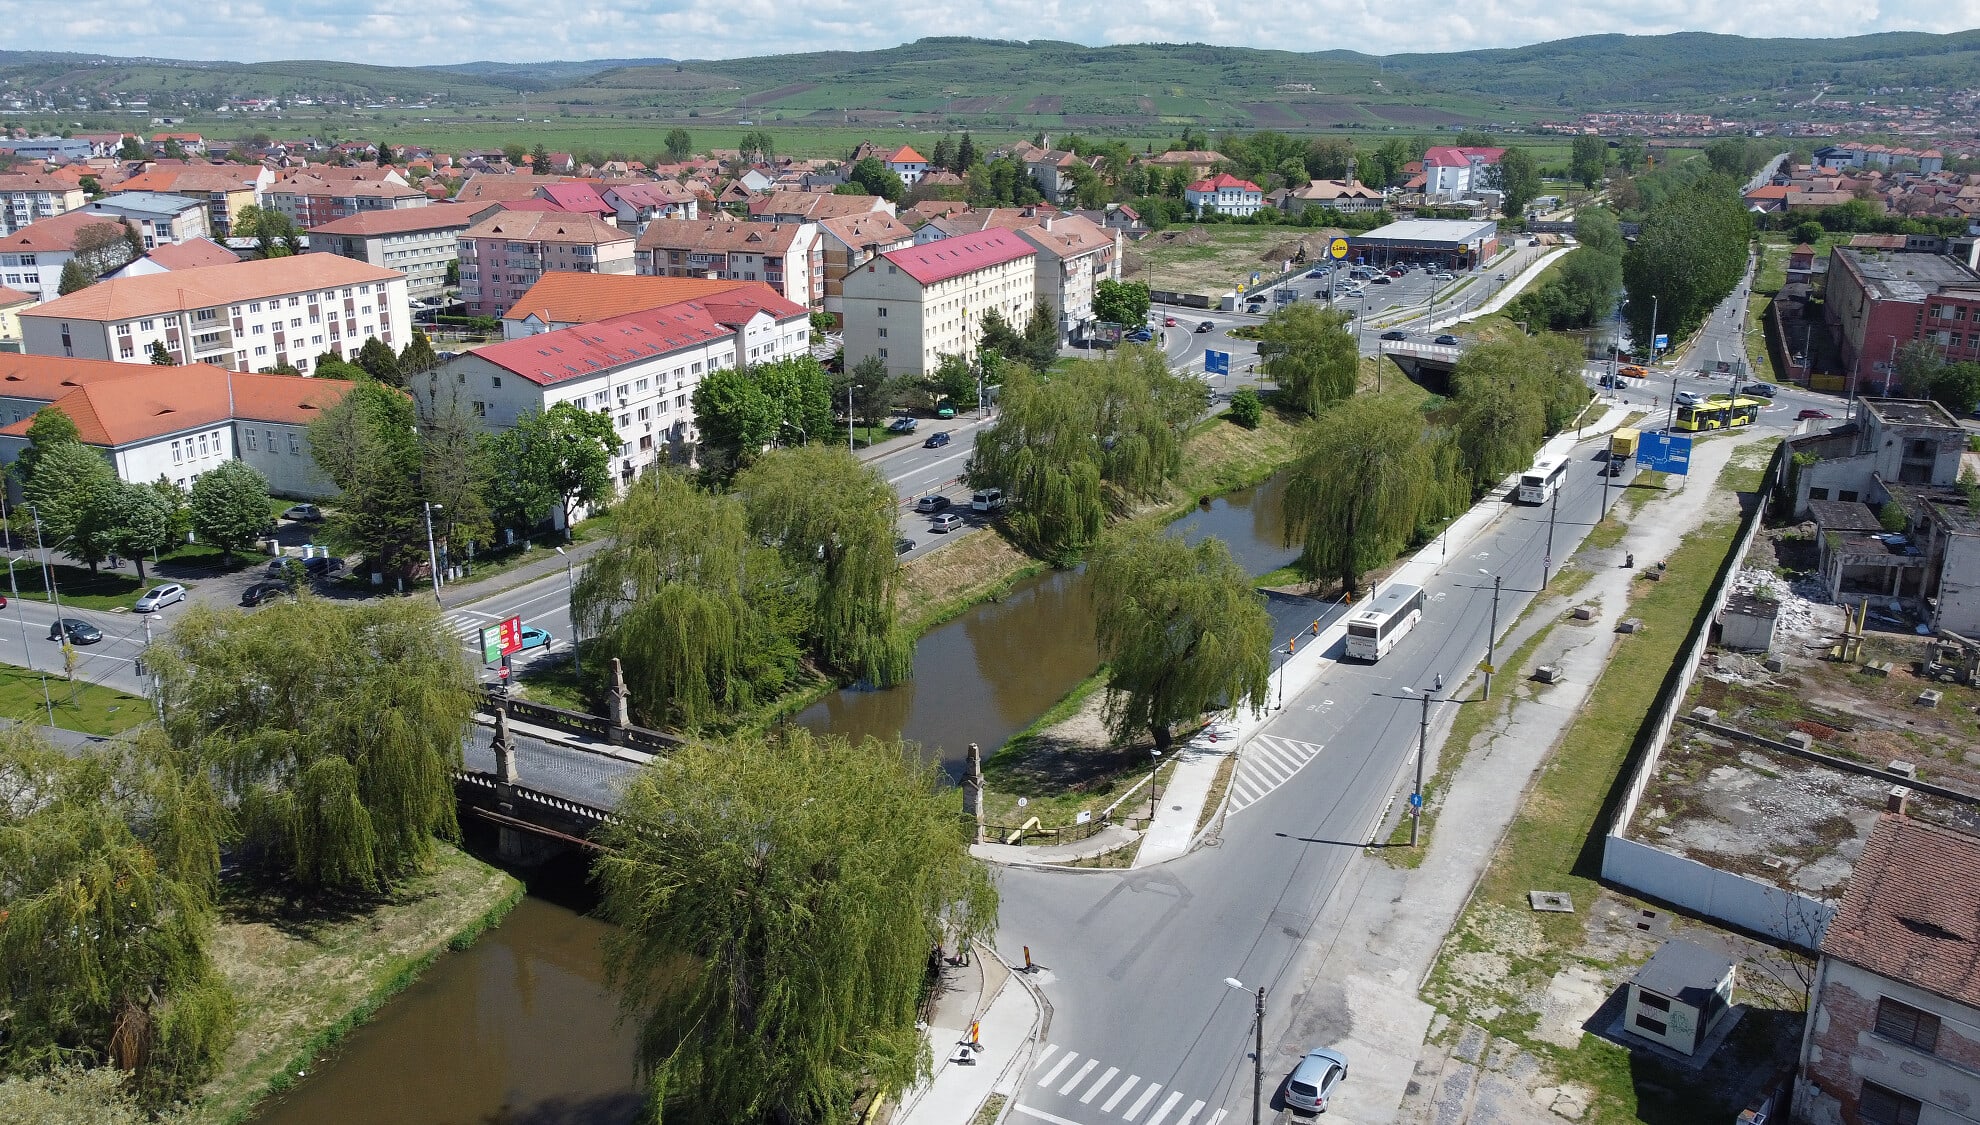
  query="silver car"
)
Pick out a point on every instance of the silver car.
point(158, 597)
point(1315, 1080)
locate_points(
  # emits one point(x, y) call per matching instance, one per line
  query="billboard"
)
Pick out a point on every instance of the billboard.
point(500, 640)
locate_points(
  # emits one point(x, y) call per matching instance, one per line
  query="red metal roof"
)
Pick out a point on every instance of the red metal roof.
point(571, 353)
point(959, 254)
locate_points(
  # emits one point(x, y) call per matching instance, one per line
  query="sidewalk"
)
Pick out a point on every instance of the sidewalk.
point(1009, 1023)
point(556, 737)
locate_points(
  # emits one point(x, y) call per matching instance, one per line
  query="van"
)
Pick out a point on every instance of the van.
point(988, 500)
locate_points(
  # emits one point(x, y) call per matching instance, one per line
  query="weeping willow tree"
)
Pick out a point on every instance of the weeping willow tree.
point(108, 862)
point(832, 519)
point(335, 727)
point(702, 616)
point(771, 944)
point(1508, 396)
point(1358, 488)
point(1181, 630)
point(1311, 355)
point(1093, 437)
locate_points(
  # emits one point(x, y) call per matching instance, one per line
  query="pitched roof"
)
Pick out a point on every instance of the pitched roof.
point(548, 226)
point(402, 220)
point(1912, 910)
point(720, 236)
point(814, 205)
point(656, 194)
point(575, 196)
point(570, 297)
point(124, 297)
point(1068, 236)
point(34, 181)
point(117, 404)
point(872, 228)
point(187, 178)
point(491, 187)
point(57, 232)
point(906, 155)
point(550, 358)
point(1223, 180)
point(1186, 156)
point(47, 377)
point(12, 297)
point(959, 254)
point(1451, 156)
point(192, 254)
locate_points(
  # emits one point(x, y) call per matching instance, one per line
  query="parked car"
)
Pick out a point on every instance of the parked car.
point(1502, 277)
point(1447, 340)
point(1314, 1081)
point(303, 513)
point(158, 597)
point(266, 591)
point(945, 523)
point(903, 546)
point(322, 566)
point(1205, 325)
point(1395, 334)
point(988, 500)
point(946, 410)
point(931, 503)
point(77, 632)
point(903, 425)
point(533, 637)
point(1760, 390)
point(1811, 412)
point(936, 440)
point(1139, 336)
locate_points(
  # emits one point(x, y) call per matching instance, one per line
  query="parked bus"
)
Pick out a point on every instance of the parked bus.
point(1718, 414)
point(1622, 447)
point(1538, 484)
point(1383, 620)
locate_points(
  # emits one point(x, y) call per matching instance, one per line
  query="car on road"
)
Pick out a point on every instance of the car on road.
point(931, 503)
point(1631, 371)
point(903, 545)
point(945, 523)
point(1811, 412)
point(75, 631)
point(1314, 1081)
point(903, 425)
point(1447, 340)
point(1382, 279)
point(158, 597)
point(1395, 334)
point(1398, 272)
point(266, 591)
point(303, 513)
point(1760, 390)
point(1168, 322)
point(1689, 398)
point(1320, 272)
point(1205, 325)
point(946, 410)
point(1501, 277)
point(533, 637)
point(936, 440)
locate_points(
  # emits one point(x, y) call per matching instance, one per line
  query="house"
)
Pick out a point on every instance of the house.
point(639, 368)
point(636, 204)
point(908, 164)
point(174, 423)
point(225, 191)
point(1678, 997)
point(423, 243)
point(176, 256)
point(1349, 197)
point(1052, 172)
point(51, 150)
point(980, 219)
point(1878, 300)
point(849, 242)
point(927, 209)
point(192, 144)
point(1451, 172)
point(491, 187)
point(812, 206)
point(31, 259)
point(1893, 1027)
point(1074, 255)
point(246, 315)
point(578, 198)
point(566, 300)
point(786, 256)
point(28, 196)
point(909, 307)
point(1224, 194)
point(12, 301)
point(1197, 161)
point(160, 220)
point(503, 255)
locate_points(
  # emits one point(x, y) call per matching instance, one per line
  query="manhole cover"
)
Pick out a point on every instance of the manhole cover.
point(1556, 902)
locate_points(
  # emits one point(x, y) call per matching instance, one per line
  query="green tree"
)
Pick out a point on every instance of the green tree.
point(368, 445)
point(178, 506)
point(230, 506)
point(1629, 153)
point(1123, 302)
point(1308, 351)
point(996, 337)
point(74, 277)
point(136, 521)
point(539, 160)
point(1358, 490)
point(680, 145)
point(744, 880)
point(102, 247)
point(68, 494)
point(1041, 337)
point(130, 149)
point(274, 234)
point(381, 362)
point(1590, 157)
point(1518, 177)
point(514, 154)
point(174, 150)
point(457, 470)
point(1246, 409)
point(1475, 138)
point(50, 426)
point(955, 380)
point(1181, 630)
point(564, 454)
point(333, 726)
point(1957, 388)
point(944, 154)
point(1734, 156)
point(740, 411)
point(160, 357)
point(1808, 232)
point(70, 1095)
point(756, 145)
point(1508, 395)
point(1690, 252)
point(873, 177)
point(416, 358)
point(966, 155)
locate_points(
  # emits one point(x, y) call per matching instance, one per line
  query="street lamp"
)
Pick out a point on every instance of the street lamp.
point(432, 556)
point(1154, 763)
point(850, 388)
point(570, 583)
point(1258, 1046)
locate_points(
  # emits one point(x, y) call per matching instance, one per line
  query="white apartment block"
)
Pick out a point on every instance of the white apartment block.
point(910, 307)
point(419, 242)
point(1075, 254)
point(28, 196)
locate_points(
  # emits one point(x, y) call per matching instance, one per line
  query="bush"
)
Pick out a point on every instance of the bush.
point(1246, 410)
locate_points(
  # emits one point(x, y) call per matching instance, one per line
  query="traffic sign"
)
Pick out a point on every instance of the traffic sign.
point(1666, 453)
point(1661, 342)
point(1416, 800)
point(1338, 248)
point(1489, 670)
point(500, 640)
point(1216, 363)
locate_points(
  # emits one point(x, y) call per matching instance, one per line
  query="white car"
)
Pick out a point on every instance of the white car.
point(1688, 398)
point(158, 597)
point(1313, 1082)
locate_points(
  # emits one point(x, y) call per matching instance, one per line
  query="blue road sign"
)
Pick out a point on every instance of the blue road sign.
point(1663, 341)
point(1216, 363)
point(1416, 800)
point(1666, 453)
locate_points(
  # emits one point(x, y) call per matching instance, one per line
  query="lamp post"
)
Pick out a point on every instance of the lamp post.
point(850, 388)
point(1492, 639)
point(432, 556)
point(1258, 1046)
point(570, 584)
point(1154, 763)
point(1422, 749)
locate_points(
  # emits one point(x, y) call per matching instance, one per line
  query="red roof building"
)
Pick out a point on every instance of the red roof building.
point(911, 306)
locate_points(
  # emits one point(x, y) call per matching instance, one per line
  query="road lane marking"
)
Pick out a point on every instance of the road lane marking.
point(1168, 1103)
point(1041, 1115)
point(1190, 1116)
point(1120, 1092)
point(1093, 1091)
point(1050, 1050)
point(1141, 1102)
point(1215, 1117)
point(1065, 1061)
point(1078, 1077)
point(1267, 763)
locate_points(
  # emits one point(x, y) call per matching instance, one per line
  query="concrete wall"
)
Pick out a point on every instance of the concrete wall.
point(1708, 892)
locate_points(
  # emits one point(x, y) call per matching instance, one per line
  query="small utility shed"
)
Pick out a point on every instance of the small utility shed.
point(1747, 623)
point(1677, 997)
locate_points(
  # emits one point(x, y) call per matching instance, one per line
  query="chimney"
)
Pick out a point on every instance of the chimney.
point(1898, 800)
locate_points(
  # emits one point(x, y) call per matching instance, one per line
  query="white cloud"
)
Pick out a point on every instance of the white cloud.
point(413, 32)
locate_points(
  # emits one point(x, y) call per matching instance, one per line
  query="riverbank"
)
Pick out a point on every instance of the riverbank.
point(304, 981)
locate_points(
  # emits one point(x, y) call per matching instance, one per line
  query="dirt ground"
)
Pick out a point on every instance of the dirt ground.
point(1204, 259)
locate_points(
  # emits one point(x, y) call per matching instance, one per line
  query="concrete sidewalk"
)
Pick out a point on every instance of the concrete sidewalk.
point(1009, 1021)
point(557, 737)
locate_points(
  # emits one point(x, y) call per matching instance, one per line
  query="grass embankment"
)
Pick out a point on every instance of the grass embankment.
point(90, 708)
point(302, 982)
point(1768, 279)
point(1554, 844)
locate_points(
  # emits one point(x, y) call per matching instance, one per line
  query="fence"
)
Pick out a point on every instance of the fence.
point(1042, 836)
point(577, 722)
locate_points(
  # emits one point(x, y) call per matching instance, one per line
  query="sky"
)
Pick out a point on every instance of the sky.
point(417, 32)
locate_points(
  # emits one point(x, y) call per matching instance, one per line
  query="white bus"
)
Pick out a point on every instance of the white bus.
point(1538, 484)
point(1383, 620)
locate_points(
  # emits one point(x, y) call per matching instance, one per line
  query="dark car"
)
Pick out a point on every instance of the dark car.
point(1448, 340)
point(1811, 412)
point(1383, 279)
point(1395, 334)
point(1760, 390)
point(322, 566)
point(931, 503)
point(76, 632)
point(268, 591)
point(903, 546)
point(936, 440)
point(1205, 325)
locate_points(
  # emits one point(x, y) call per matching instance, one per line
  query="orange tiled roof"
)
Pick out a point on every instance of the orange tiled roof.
point(1912, 910)
point(147, 404)
point(548, 226)
point(11, 297)
point(56, 233)
point(569, 297)
point(400, 220)
point(125, 297)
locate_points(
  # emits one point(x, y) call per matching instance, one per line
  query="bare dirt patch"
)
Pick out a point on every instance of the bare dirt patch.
point(1046, 103)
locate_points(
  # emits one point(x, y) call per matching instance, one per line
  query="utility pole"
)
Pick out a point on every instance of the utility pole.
point(1258, 1056)
point(1547, 561)
point(1492, 639)
point(1422, 748)
point(432, 556)
point(850, 388)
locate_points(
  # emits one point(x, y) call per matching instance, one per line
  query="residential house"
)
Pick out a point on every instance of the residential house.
point(51, 150)
point(981, 219)
point(192, 144)
point(1225, 194)
point(636, 204)
point(849, 242)
point(1451, 172)
point(1349, 197)
point(490, 187)
point(566, 300)
point(160, 220)
point(908, 164)
point(176, 256)
point(578, 198)
point(31, 259)
point(26, 197)
point(247, 315)
point(640, 369)
point(422, 243)
point(503, 255)
point(1052, 172)
point(812, 207)
point(909, 307)
point(786, 256)
point(12, 301)
point(926, 209)
point(1893, 1027)
point(1878, 300)
point(224, 190)
point(1199, 162)
point(1074, 256)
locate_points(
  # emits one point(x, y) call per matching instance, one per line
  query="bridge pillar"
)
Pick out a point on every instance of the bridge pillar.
point(505, 750)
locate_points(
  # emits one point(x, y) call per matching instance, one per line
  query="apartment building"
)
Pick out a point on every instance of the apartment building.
point(160, 220)
point(504, 254)
point(567, 300)
point(909, 307)
point(813, 206)
point(176, 256)
point(786, 256)
point(224, 190)
point(311, 200)
point(26, 197)
point(249, 316)
point(12, 302)
point(31, 259)
point(639, 368)
point(1880, 300)
point(421, 242)
point(849, 242)
point(1450, 172)
point(1075, 254)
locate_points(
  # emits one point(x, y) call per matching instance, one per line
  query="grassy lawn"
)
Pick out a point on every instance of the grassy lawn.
point(76, 586)
point(89, 708)
point(304, 980)
point(1767, 281)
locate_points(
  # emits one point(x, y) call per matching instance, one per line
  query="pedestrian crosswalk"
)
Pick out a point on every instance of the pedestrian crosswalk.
point(1267, 763)
point(466, 624)
point(1129, 1097)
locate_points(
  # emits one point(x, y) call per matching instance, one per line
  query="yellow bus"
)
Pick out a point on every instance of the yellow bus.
point(1719, 414)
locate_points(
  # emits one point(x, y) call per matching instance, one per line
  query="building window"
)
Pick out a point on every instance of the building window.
point(1653, 1026)
point(1847, 496)
point(1652, 1000)
point(178, 454)
point(495, 381)
point(1906, 1024)
point(480, 409)
point(1879, 1106)
point(295, 444)
point(1818, 494)
point(249, 438)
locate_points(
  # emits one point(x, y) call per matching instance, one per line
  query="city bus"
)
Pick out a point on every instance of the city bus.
point(1718, 414)
point(1538, 484)
point(1383, 620)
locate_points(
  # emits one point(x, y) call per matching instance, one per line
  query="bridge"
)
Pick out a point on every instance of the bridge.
point(1425, 363)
